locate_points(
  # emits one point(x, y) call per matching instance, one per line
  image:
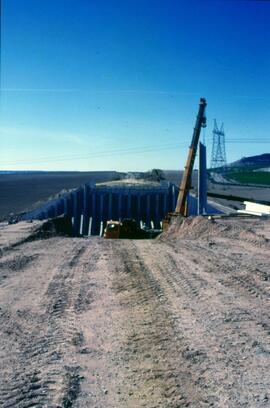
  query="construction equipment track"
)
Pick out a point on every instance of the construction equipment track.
point(122, 323)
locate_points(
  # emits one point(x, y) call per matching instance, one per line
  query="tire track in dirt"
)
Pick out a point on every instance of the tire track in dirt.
point(45, 372)
point(9, 267)
point(184, 290)
point(127, 324)
point(154, 351)
point(224, 327)
point(241, 272)
point(179, 279)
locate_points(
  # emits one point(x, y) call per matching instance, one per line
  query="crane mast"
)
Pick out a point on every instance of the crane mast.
point(186, 180)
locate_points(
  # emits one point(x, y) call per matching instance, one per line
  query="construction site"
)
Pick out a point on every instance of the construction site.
point(137, 293)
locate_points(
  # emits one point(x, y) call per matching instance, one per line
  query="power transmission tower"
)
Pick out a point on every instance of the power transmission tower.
point(218, 158)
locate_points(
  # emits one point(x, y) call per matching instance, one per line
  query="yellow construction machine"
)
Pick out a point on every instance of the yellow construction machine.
point(128, 228)
point(182, 205)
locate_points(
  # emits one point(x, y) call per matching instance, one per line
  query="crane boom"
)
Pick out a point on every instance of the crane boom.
point(186, 180)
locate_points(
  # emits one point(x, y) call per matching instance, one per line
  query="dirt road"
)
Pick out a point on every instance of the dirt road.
point(110, 323)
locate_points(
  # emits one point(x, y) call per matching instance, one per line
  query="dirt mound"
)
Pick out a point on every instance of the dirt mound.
point(209, 228)
point(57, 226)
point(60, 226)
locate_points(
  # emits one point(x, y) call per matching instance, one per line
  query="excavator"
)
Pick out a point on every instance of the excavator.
point(182, 204)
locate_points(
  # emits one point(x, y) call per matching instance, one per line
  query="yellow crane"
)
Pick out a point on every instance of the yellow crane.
point(181, 206)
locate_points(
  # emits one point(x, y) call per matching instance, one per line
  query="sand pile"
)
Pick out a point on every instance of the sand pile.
point(204, 228)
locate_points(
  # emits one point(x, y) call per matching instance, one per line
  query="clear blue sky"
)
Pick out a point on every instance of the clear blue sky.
point(83, 78)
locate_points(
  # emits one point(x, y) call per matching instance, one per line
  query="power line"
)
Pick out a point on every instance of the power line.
point(126, 151)
point(134, 150)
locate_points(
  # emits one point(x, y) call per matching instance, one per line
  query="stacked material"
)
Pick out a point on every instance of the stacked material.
point(255, 209)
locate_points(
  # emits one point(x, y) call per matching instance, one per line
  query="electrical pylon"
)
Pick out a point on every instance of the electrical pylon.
point(218, 158)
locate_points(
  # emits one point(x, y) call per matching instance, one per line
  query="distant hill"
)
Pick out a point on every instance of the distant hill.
point(260, 161)
point(253, 170)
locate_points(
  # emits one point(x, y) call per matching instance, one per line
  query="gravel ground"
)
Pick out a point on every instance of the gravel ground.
point(181, 321)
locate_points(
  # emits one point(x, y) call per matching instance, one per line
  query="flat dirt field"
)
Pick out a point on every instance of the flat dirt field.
point(25, 191)
point(181, 321)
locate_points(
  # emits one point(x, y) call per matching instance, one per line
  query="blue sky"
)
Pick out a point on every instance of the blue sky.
point(114, 84)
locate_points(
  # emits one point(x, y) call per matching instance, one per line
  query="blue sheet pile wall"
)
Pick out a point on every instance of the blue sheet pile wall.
point(90, 206)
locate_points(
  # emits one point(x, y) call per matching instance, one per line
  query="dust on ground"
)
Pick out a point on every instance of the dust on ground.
point(175, 322)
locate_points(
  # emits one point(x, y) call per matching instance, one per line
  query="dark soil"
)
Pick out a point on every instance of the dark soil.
point(23, 192)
